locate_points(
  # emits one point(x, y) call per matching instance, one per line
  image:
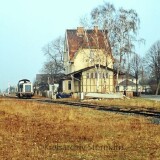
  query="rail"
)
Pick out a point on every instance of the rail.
point(143, 112)
point(147, 112)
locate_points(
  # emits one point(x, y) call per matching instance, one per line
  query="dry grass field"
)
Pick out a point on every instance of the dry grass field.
point(38, 131)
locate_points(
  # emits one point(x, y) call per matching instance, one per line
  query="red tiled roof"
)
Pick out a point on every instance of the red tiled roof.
point(96, 40)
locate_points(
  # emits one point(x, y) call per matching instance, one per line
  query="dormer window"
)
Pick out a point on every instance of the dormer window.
point(71, 62)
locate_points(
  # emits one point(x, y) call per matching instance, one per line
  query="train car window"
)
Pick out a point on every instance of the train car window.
point(20, 87)
point(27, 88)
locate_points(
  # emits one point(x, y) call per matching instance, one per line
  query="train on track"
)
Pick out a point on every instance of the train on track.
point(24, 89)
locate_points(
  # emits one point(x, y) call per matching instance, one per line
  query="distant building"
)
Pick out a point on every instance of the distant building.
point(44, 80)
point(128, 82)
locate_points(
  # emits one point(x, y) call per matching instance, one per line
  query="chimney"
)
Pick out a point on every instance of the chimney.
point(96, 29)
point(80, 31)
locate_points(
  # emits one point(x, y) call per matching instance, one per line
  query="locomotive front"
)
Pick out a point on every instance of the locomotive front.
point(25, 89)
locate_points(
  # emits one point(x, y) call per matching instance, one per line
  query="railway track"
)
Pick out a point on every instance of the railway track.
point(142, 112)
point(135, 111)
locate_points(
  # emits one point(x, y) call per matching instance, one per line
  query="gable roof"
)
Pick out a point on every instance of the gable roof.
point(126, 83)
point(52, 78)
point(91, 67)
point(88, 39)
point(79, 72)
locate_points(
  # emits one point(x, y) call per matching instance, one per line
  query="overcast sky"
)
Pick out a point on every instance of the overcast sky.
point(27, 25)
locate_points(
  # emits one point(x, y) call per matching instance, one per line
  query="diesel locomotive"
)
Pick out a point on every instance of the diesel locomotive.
point(24, 89)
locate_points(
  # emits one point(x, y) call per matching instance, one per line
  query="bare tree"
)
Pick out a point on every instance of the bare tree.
point(54, 53)
point(122, 27)
point(153, 63)
point(135, 68)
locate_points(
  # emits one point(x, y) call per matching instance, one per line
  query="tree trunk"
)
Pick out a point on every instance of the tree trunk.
point(118, 71)
point(157, 88)
point(136, 87)
point(117, 76)
point(137, 83)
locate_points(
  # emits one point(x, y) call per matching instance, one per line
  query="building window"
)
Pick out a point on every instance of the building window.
point(87, 60)
point(88, 75)
point(105, 75)
point(100, 75)
point(95, 75)
point(69, 85)
point(117, 88)
point(91, 75)
point(124, 88)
